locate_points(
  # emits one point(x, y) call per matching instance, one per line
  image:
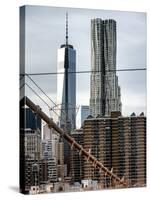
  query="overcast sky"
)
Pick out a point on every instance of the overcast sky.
point(45, 32)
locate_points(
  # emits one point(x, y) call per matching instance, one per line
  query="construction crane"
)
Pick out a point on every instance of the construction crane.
point(90, 158)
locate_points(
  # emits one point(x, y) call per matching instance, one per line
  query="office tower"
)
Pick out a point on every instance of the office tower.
point(30, 148)
point(76, 158)
point(47, 132)
point(33, 121)
point(60, 161)
point(105, 93)
point(50, 136)
point(66, 91)
point(32, 135)
point(47, 171)
point(66, 83)
point(53, 148)
point(48, 163)
point(32, 174)
point(49, 159)
point(85, 111)
point(120, 144)
point(46, 149)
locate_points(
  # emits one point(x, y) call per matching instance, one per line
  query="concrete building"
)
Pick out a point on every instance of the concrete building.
point(53, 149)
point(47, 132)
point(97, 140)
point(49, 162)
point(30, 147)
point(132, 163)
point(46, 149)
point(32, 144)
point(31, 174)
point(120, 144)
point(50, 134)
point(40, 173)
point(48, 171)
point(77, 159)
point(105, 93)
point(50, 154)
point(85, 111)
point(62, 168)
point(32, 134)
point(37, 165)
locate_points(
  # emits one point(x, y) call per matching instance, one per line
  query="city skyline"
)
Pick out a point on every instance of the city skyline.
point(116, 145)
point(105, 152)
point(41, 40)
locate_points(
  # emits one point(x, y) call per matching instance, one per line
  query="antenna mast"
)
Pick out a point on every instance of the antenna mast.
point(66, 28)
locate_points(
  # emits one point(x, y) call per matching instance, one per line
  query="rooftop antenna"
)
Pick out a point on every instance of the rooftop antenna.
point(66, 28)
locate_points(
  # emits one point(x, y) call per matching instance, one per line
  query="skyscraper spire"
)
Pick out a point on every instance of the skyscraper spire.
point(66, 28)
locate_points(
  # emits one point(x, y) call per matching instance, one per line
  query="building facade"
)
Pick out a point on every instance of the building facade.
point(105, 93)
point(120, 144)
point(38, 167)
point(77, 159)
point(49, 154)
point(85, 111)
point(97, 140)
point(30, 148)
point(53, 148)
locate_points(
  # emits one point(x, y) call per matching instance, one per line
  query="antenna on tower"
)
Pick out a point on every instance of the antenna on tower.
point(66, 28)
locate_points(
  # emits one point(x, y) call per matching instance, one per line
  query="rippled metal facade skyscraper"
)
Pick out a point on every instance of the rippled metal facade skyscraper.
point(105, 92)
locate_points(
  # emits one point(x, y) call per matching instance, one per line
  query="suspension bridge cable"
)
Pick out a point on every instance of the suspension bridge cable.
point(41, 99)
point(38, 95)
point(83, 72)
point(45, 94)
point(41, 89)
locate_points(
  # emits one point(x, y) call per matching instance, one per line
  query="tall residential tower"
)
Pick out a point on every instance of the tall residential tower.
point(105, 92)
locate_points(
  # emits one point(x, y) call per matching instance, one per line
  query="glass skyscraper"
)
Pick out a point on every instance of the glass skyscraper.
point(71, 64)
point(66, 92)
point(105, 93)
